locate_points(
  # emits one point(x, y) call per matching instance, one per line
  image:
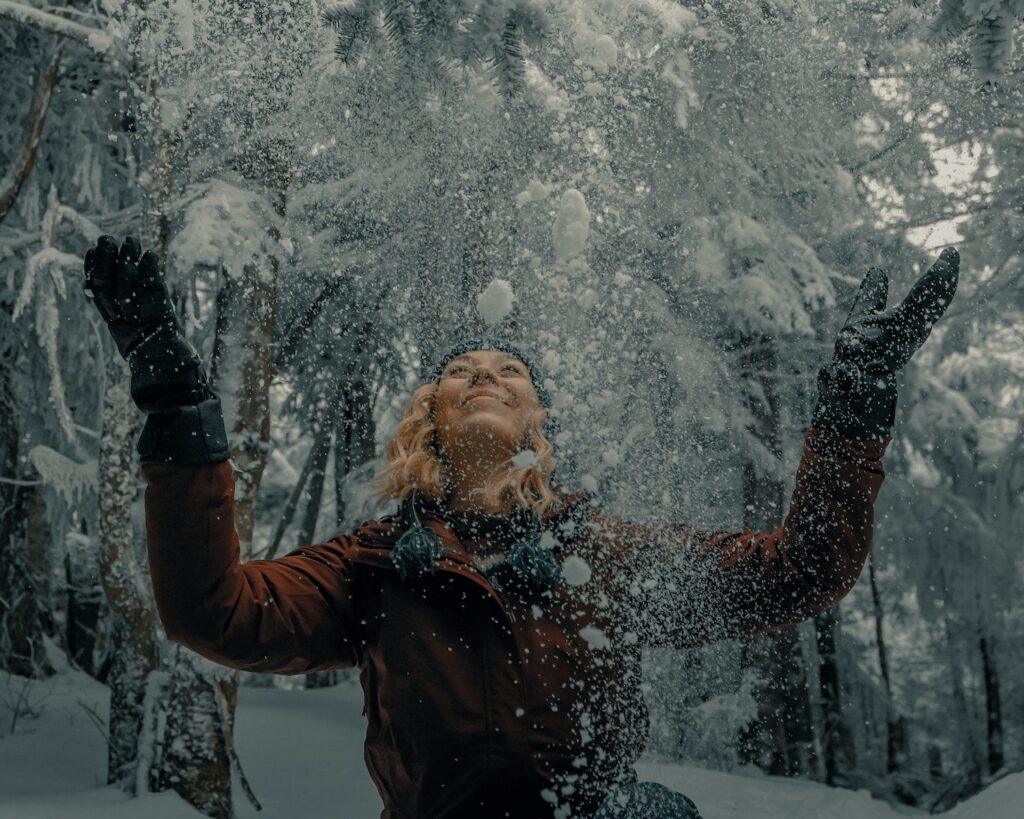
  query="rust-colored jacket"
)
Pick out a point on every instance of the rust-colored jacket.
point(483, 705)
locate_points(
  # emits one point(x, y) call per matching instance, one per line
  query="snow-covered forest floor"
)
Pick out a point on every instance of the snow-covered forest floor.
point(302, 750)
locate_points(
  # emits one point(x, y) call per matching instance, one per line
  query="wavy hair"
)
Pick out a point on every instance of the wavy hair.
point(413, 463)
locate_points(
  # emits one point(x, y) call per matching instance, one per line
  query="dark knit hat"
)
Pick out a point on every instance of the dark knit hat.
point(502, 345)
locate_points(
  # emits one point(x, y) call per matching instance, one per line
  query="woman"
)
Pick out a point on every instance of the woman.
point(497, 621)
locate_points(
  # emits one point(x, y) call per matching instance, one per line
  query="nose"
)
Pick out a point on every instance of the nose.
point(479, 372)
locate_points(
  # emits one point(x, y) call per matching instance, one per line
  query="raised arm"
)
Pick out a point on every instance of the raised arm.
point(695, 587)
point(288, 616)
point(692, 587)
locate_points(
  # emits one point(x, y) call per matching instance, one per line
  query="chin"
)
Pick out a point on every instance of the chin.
point(485, 427)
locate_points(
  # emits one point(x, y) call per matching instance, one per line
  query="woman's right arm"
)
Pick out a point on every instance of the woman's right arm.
point(287, 616)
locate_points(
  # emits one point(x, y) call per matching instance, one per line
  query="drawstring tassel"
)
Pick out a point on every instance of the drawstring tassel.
point(416, 551)
point(528, 568)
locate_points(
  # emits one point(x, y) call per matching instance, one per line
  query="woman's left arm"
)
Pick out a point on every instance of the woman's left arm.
point(696, 587)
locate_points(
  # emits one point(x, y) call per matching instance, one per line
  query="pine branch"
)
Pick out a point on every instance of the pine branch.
point(399, 28)
point(949, 22)
point(509, 59)
point(352, 22)
point(992, 47)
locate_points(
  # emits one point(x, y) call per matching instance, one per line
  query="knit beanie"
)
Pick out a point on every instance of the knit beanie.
point(503, 345)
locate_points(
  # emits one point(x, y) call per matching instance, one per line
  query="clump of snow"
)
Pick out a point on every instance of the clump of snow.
point(535, 191)
point(225, 226)
point(524, 459)
point(572, 226)
point(679, 76)
point(496, 301)
point(552, 97)
point(595, 638)
point(576, 570)
point(599, 51)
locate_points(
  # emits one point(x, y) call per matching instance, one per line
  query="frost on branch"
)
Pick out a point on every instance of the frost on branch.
point(72, 479)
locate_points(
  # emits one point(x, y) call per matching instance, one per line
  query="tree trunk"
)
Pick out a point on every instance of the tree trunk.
point(837, 740)
point(86, 639)
point(315, 491)
point(970, 767)
point(993, 707)
point(23, 593)
point(781, 739)
point(354, 442)
point(894, 755)
point(21, 166)
point(135, 644)
point(195, 760)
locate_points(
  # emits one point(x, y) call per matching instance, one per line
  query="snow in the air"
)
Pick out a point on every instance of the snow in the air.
point(572, 226)
point(576, 570)
point(496, 301)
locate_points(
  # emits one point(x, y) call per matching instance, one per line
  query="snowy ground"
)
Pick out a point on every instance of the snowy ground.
point(303, 749)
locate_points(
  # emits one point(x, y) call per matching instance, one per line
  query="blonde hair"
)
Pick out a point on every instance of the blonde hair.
point(414, 463)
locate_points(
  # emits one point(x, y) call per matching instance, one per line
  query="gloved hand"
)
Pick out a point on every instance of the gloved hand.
point(168, 382)
point(857, 389)
point(131, 296)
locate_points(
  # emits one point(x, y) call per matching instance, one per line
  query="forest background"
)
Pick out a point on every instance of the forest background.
point(670, 202)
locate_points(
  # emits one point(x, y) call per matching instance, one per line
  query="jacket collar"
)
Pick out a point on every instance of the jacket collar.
point(384, 533)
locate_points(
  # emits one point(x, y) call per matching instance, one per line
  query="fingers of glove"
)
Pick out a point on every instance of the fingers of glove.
point(864, 343)
point(871, 296)
point(153, 300)
point(928, 299)
point(99, 277)
point(125, 272)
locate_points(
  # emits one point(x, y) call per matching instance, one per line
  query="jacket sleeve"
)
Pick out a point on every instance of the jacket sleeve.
point(287, 616)
point(690, 587)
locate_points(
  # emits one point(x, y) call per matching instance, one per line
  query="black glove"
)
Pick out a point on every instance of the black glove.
point(857, 389)
point(168, 382)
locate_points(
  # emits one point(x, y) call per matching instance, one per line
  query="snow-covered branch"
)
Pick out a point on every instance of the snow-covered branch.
point(99, 41)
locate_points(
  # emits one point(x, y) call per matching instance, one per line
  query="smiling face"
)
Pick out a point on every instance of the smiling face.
point(484, 402)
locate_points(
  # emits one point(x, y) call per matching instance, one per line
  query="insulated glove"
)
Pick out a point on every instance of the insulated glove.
point(168, 382)
point(857, 389)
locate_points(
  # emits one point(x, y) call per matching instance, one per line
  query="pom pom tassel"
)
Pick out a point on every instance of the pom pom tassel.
point(528, 569)
point(416, 551)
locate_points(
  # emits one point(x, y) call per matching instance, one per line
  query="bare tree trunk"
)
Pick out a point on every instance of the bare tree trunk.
point(22, 586)
point(354, 442)
point(12, 181)
point(970, 760)
point(314, 494)
point(993, 707)
point(781, 739)
point(86, 640)
point(23, 538)
point(136, 653)
point(837, 740)
point(894, 755)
